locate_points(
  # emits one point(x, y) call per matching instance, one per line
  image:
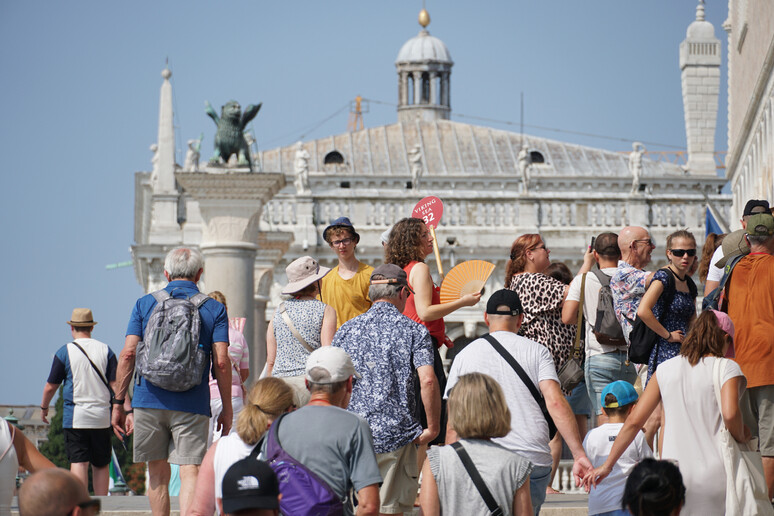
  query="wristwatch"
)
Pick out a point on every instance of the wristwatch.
point(116, 401)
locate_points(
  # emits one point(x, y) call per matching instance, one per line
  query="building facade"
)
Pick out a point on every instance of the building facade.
point(495, 186)
point(750, 161)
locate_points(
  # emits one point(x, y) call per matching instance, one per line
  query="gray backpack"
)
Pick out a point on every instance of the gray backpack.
point(170, 356)
point(607, 329)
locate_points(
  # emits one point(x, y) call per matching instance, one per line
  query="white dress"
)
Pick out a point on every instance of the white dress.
point(692, 424)
point(9, 466)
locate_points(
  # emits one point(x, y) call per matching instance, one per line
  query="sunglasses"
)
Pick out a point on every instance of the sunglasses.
point(94, 502)
point(648, 241)
point(681, 252)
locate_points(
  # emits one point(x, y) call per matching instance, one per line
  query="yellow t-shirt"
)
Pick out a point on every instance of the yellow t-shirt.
point(348, 297)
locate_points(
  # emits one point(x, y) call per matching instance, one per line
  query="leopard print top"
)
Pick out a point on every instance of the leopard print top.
point(541, 297)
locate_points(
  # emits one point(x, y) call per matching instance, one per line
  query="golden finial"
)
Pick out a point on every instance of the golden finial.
point(424, 18)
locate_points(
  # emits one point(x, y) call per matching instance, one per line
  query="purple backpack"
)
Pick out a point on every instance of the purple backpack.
point(303, 492)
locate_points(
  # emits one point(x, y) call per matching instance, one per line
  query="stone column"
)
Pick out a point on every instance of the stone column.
point(434, 93)
point(417, 87)
point(230, 204)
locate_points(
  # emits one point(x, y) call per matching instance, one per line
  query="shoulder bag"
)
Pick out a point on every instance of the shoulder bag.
point(642, 339)
point(571, 372)
point(96, 369)
point(289, 323)
point(475, 476)
point(524, 378)
point(746, 490)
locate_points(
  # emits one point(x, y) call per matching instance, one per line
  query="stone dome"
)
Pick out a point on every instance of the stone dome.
point(700, 29)
point(423, 48)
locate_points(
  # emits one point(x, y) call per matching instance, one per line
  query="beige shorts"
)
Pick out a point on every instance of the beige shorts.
point(400, 479)
point(301, 394)
point(179, 437)
point(762, 406)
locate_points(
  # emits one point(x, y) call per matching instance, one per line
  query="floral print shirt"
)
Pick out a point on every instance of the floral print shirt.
point(627, 286)
point(386, 348)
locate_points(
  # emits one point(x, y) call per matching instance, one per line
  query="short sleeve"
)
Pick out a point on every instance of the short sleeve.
point(220, 330)
point(662, 276)
point(538, 292)
point(573, 294)
point(732, 371)
point(715, 273)
point(363, 467)
point(422, 354)
point(112, 366)
point(135, 321)
point(643, 450)
point(58, 371)
point(519, 467)
point(546, 368)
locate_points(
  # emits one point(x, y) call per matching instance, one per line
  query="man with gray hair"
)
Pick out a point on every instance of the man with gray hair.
point(750, 297)
point(171, 423)
point(387, 347)
point(334, 444)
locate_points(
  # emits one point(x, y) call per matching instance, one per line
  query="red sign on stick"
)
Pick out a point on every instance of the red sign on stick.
point(430, 210)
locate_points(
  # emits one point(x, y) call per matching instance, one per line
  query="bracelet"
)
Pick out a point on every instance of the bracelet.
point(116, 401)
point(130, 411)
point(43, 408)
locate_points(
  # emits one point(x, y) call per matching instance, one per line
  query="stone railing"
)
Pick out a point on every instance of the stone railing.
point(563, 480)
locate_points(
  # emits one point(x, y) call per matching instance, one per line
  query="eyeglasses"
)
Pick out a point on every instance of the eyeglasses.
point(648, 241)
point(343, 241)
point(681, 252)
point(93, 502)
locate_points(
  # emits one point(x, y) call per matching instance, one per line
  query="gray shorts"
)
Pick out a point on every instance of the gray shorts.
point(179, 437)
point(401, 479)
point(762, 406)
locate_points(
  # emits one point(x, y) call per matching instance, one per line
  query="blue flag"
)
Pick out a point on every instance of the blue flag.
point(711, 225)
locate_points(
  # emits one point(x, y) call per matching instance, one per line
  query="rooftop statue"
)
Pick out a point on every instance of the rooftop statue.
point(635, 165)
point(230, 138)
point(191, 163)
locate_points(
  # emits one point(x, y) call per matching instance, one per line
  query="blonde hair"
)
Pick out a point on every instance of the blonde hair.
point(218, 296)
point(268, 399)
point(477, 408)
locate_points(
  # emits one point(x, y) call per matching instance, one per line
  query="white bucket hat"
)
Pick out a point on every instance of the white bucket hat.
point(302, 272)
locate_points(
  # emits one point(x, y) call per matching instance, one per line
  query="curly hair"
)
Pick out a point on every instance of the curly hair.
point(518, 259)
point(704, 338)
point(405, 243)
point(711, 243)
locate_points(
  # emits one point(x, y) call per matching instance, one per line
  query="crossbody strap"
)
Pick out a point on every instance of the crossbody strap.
point(99, 373)
point(282, 309)
point(516, 367)
point(475, 476)
point(579, 328)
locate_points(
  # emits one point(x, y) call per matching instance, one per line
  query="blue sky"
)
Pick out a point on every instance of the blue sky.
point(80, 87)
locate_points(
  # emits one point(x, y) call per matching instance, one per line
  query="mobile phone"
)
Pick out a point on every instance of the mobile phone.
point(591, 245)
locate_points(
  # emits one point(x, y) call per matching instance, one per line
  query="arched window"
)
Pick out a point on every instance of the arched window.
point(536, 157)
point(334, 157)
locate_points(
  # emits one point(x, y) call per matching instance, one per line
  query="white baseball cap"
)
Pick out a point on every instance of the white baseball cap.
point(329, 364)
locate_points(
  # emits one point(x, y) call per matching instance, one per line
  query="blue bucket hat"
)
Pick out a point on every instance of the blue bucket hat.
point(341, 222)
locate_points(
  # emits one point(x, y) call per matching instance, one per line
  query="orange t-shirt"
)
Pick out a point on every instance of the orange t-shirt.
point(751, 308)
point(436, 328)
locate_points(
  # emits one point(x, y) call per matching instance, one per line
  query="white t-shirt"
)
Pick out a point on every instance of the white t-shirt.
point(590, 304)
point(715, 273)
point(230, 449)
point(529, 430)
point(9, 466)
point(693, 423)
point(607, 495)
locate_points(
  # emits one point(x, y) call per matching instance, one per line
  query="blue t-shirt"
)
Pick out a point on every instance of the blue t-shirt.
point(214, 328)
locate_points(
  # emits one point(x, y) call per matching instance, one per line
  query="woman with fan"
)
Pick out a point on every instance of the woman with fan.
point(542, 298)
point(410, 242)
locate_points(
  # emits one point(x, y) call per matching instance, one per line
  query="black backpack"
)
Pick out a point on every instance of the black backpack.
point(606, 328)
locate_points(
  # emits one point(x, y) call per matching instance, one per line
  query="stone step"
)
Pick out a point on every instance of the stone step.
point(556, 505)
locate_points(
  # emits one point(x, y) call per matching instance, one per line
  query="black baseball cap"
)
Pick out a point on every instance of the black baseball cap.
point(390, 274)
point(754, 206)
point(505, 297)
point(250, 484)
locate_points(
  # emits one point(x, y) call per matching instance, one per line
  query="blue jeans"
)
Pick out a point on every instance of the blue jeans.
point(604, 369)
point(538, 482)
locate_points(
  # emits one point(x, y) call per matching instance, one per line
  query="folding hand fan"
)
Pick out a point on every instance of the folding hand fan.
point(466, 278)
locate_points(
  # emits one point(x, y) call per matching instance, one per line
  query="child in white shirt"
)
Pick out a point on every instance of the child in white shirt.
point(618, 399)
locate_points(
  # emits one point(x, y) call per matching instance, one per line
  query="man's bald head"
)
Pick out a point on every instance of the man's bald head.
point(636, 246)
point(51, 492)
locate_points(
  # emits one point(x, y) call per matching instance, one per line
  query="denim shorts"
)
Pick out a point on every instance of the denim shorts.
point(579, 400)
point(604, 369)
point(538, 482)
